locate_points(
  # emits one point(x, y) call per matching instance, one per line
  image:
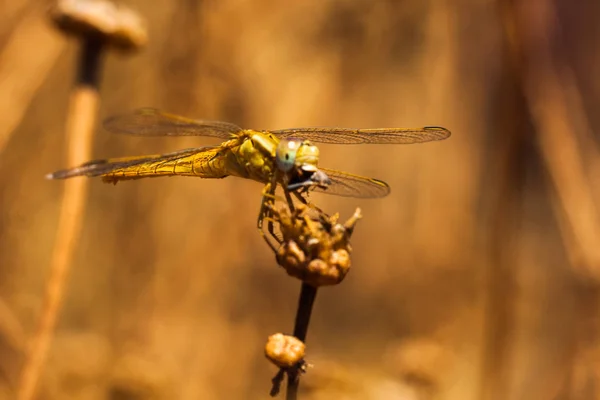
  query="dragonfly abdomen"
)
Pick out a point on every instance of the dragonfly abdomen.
point(201, 164)
point(205, 165)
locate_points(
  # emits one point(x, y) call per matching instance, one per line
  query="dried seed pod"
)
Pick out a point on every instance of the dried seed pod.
point(291, 255)
point(340, 259)
point(285, 351)
point(315, 250)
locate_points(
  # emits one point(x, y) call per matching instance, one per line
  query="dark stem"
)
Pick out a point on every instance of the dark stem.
point(308, 294)
point(89, 61)
point(305, 304)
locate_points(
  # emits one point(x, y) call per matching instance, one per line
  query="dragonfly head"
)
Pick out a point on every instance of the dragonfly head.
point(292, 154)
point(309, 180)
point(307, 157)
point(299, 161)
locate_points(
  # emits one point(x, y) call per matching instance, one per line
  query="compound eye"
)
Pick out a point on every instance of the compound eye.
point(285, 156)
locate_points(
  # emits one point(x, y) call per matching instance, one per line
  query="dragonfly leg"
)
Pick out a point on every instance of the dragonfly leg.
point(267, 202)
point(289, 200)
point(271, 220)
point(300, 197)
point(262, 214)
point(303, 200)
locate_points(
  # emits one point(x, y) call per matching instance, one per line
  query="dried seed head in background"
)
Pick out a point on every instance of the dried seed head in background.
point(314, 249)
point(119, 25)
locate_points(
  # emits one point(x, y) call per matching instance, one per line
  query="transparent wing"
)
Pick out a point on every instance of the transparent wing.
point(101, 167)
point(349, 185)
point(154, 122)
point(364, 136)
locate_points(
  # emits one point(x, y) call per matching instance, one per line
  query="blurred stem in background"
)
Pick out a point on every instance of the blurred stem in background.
point(563, 130)
point(96, 24)
point(506, 195)
point(81, 115)
point(553, 103)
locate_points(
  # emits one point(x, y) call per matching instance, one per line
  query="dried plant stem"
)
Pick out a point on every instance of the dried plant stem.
point(308, 294)
point(500, 299)
point(562, 129)
point(552, 96)
point(83, 106)
point(95, 25)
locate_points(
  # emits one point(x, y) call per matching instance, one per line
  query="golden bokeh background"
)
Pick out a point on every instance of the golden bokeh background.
point(477, 278)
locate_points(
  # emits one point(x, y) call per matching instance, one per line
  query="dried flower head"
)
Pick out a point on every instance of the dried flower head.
point(315, 249)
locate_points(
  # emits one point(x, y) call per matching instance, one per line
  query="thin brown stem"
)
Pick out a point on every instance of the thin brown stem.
point(308, 294)
point(552, 94)
point(80, 124)
point(507, 168)
point(562, 131)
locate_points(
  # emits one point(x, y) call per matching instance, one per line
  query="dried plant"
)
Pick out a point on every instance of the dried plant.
point(314, 248)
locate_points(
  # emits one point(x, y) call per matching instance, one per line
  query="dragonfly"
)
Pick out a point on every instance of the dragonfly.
point(286, 157)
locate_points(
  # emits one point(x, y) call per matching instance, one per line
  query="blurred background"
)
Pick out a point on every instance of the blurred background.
point(477, 278)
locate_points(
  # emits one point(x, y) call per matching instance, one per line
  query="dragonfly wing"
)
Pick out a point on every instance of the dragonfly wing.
point(350, 185)
point(154, 122)
point(106, 166)
point(365, 136)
